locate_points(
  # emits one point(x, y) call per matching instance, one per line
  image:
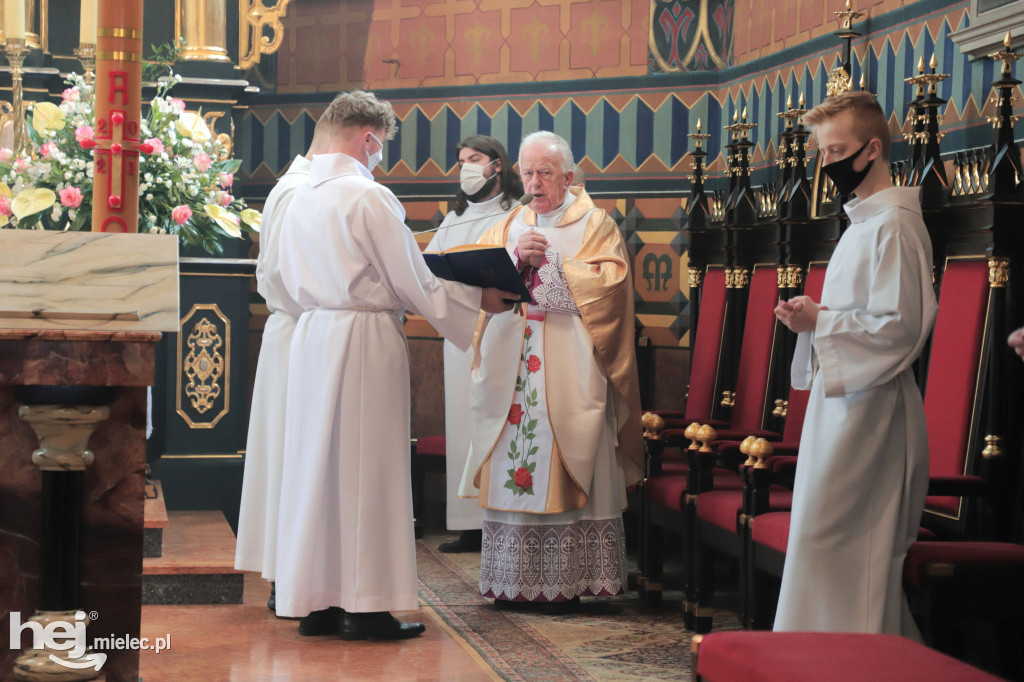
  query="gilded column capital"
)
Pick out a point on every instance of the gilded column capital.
point(998, 272)
point(696, 277)
point(741, 278)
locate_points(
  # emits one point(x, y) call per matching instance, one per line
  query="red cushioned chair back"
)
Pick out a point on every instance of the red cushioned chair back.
point(952, 393)
point(707, 346)
point(755, 356)
point(813, 286)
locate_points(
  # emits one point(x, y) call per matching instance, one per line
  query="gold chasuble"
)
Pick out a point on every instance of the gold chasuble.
point(589, 399)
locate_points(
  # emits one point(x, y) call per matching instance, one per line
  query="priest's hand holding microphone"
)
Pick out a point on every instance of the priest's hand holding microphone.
point(799, 314)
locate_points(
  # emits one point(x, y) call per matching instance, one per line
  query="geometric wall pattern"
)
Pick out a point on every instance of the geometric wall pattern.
point(629, 132)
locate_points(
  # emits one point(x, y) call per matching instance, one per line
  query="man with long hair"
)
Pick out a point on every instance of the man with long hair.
point(488, 189)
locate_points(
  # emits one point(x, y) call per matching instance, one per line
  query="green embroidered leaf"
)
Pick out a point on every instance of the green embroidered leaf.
point(512, 473)
point(533, 450)
point(512, 447)
point(510, 485)
point(533, 394)
point(528, 491)
point(532, 425)
point(531, 467)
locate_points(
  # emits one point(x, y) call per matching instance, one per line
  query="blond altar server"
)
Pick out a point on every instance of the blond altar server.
point(863, 474)
point(346, 554)
point(554, 401)
point(255, 546)
point(488, 189)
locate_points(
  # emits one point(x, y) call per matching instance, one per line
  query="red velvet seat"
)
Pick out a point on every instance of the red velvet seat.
point(947, 559)
point(669, 490)
point(820, 656)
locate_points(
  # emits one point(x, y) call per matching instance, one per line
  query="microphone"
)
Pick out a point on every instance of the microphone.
point(523, 201)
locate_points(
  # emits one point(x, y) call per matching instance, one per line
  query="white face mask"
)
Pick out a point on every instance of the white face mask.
point(373, 159)
point(472, 178)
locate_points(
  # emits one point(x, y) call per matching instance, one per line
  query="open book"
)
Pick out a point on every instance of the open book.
point(480, 266)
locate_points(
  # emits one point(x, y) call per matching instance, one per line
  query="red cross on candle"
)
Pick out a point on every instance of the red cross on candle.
point(118, 114)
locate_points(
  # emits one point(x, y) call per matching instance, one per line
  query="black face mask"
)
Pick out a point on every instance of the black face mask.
point(847, 179)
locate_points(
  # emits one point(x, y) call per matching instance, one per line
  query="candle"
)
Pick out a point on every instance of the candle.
point(87, 23)
point(14, 19)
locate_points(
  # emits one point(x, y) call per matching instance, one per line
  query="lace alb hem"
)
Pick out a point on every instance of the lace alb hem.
point(553, 563)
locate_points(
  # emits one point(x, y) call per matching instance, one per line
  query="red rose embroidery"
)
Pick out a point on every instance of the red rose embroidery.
point(515, 414)
point(523, 478)
point(533, 364)
point(529, 332)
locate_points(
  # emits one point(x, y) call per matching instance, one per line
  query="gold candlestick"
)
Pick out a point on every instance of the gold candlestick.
point(86, 54)
point(16, 51)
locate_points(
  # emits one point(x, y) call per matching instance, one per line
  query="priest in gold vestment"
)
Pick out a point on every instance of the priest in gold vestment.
point(554, 400)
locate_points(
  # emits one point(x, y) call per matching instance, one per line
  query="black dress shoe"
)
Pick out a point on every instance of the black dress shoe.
point(377, 625)
point(323, 622)
point(469, 541)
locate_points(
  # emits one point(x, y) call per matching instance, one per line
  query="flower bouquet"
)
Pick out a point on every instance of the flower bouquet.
point(185, 177)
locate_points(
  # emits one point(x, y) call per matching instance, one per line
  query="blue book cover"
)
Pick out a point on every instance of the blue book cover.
point(478, 266)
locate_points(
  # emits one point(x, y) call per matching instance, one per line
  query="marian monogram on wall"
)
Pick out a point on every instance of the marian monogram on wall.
point(690, 35)
point(204, 342)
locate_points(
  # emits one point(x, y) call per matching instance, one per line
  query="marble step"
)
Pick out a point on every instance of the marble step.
point(197, 565)
point(155, 517)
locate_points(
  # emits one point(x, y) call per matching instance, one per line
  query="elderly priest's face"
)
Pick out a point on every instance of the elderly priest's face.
point(540, 167)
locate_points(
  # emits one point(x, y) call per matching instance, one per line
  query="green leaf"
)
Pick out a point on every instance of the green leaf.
point(510, 485)
point(512, 447)
point(512, 473)
point(533, 394)
point(533, 450)
point(227, 165)
point(532, 425)
point(531, 467)
point(528, 491)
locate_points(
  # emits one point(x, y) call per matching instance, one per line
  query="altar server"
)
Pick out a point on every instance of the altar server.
point(346, 554)
point(264, 450)
point(863, 472)
point(488, 189)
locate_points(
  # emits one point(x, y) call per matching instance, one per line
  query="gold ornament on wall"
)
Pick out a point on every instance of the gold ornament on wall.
point(204, 366)
point(254, 19)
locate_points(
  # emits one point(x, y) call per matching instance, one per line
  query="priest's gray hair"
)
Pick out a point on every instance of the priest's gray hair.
point(359, 108)
point(554, 142)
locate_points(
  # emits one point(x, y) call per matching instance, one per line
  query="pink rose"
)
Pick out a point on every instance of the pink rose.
point(533, 364)
point(70, 94)
point(71, 197)
point(83, 133)
point(5, 154)
point(156, 144)
point(226, 199)
point(47, 148)
point(225, 179)
point(202, 162)
point(5, 205)
point(21, 165)
point(181, 213)
point(178, 104)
